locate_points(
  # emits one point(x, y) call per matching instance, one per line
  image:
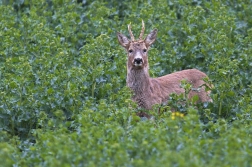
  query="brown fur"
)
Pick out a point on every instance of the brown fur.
point(149, 91)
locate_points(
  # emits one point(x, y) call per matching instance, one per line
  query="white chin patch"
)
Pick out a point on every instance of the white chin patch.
point(138, 65)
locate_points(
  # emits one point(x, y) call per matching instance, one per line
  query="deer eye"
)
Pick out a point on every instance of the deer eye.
point(144, 50)
point(130, 51)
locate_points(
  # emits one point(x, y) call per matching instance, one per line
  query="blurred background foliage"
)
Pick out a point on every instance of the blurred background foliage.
point(62, 83)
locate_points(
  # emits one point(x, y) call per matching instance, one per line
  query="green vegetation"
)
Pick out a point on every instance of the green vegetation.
point(63, 95)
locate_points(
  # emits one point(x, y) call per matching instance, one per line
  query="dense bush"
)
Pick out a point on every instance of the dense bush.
point(63, 97)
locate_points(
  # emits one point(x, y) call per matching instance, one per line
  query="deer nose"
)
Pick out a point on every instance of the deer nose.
point(138, 61)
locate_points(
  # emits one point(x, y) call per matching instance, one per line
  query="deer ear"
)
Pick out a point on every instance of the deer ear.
point(150, 39)
point(123, 40)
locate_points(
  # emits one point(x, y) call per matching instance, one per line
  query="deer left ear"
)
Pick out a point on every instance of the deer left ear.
point(123, 40)
point(150, 39)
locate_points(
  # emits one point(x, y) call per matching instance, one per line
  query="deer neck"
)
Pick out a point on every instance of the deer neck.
point(138, 80)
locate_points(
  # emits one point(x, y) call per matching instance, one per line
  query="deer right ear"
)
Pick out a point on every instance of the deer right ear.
point(123, 40)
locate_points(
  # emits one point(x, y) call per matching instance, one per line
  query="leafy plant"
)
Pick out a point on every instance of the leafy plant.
point(63, 99)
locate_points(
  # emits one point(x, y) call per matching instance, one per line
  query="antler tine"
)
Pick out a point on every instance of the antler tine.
point(142, 31)
point(131, 34)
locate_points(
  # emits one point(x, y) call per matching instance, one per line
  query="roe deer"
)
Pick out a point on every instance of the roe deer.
point(149, 91)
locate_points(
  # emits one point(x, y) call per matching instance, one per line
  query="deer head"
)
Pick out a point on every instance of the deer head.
point(137, 49)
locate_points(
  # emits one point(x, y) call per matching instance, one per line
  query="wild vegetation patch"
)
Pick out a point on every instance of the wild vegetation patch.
point(63, 94)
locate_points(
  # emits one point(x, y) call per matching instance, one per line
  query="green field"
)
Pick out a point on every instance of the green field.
point(63, 95)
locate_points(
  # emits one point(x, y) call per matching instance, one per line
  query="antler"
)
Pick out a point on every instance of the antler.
point(142, 31)
point(131, 34)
